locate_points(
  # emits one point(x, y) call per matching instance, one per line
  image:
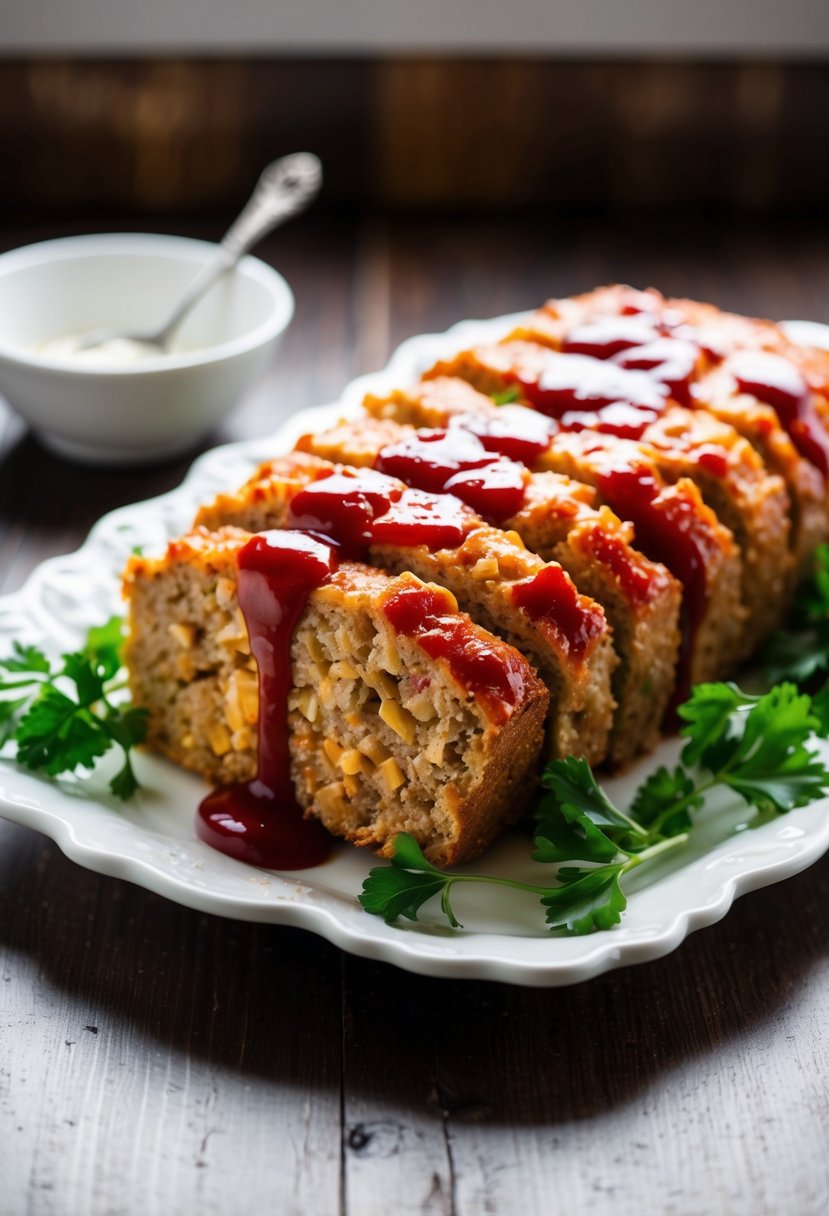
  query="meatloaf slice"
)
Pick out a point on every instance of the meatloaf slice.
point(388, 730)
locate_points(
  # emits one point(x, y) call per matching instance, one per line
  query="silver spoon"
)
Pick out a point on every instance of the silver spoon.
point(285, 188)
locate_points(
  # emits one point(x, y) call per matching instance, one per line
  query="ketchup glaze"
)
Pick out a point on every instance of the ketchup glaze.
point(358, 507)
point(668, 531)
point(780, 384)
point(260, 821)
point(497, 678)
point(662, 345)
point(455, 461)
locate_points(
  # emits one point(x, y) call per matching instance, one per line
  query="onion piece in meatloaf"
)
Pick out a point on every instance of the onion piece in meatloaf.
point(404, 715)
point(559, 521)
point(512, 592)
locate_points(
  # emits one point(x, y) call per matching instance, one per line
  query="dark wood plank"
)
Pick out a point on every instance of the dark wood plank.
point(155, 1060)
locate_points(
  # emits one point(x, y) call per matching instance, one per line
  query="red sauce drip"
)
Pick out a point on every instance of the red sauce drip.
point(639, 585)
point(456, 462)
point(495, 676)
point(609, 336)
point(578, 382)
point(357, 507)
point(260, 821)
point(622, 420)
point(549, 597)
point(780, 384)
point(712, 459)
point(514, 431)
point(641, 343)
point(670, 361)
point(667, 530)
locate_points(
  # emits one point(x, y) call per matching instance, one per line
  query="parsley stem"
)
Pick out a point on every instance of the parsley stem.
point(702, 788)
point(500, 882)
point(109, 689)
point(654, 850)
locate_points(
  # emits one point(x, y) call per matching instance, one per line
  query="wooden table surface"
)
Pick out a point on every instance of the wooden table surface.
point(154, 1060)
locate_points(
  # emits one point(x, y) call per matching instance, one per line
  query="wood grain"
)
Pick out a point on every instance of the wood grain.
point(153, 1060)
point(154, 135)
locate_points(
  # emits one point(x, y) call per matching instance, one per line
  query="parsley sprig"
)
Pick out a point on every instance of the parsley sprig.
point(65, 718)
point(754, 747)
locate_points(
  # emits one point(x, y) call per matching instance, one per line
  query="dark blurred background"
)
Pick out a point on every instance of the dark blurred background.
point(161, 135)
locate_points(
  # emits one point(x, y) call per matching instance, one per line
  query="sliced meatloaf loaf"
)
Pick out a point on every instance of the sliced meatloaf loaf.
point(404, 714)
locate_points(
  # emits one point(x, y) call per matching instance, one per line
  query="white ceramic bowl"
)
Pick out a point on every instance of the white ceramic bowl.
point(156, 407)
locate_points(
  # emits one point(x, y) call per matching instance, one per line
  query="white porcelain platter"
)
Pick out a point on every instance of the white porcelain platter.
point(151, 841)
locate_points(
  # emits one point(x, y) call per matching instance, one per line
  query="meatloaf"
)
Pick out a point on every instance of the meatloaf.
point(385, 735)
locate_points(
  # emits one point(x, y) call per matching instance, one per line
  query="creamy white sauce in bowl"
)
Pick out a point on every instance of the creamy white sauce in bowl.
point(116, 352)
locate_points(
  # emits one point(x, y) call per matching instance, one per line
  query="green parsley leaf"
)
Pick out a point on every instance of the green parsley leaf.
point(508, 396)
point(391, 892)
point(801, 650)
point(812, 599)
point(128, 726)
point(820, 709)
point(85, 676)
point(770, 765)
point(8, 712)
point(557, 838)
point(666, 798)
point(66, 721)
point(124, 784)
point(55, 736)
point(709, 713)
point(582, 800)
point(26, 659)
point(103, 647)
point(590, 899)
point(796, 656)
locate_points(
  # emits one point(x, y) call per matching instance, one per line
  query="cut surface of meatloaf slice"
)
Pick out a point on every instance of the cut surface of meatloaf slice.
point(718, 393)
point(744, 371)
point(404, 714)
point(531, 603)
point(752, 502)
point(557, 519)
point(672, 525)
